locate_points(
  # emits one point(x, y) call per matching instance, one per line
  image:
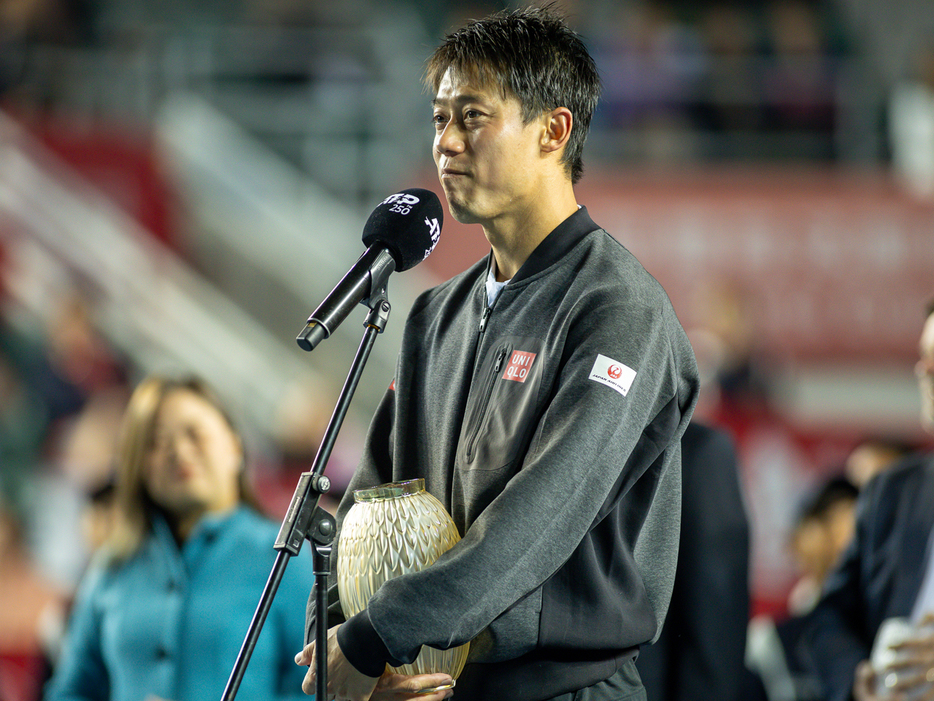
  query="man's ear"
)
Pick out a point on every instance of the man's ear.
point(557, 131)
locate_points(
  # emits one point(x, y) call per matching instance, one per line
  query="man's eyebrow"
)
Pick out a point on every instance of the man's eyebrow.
point(435, 102)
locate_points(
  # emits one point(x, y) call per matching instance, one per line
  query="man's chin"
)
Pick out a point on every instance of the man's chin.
point(462, 214)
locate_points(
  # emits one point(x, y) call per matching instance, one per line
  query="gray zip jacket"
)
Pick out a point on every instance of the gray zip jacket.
point(549, 426)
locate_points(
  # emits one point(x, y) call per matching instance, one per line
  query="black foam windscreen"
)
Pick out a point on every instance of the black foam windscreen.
point(408, 224)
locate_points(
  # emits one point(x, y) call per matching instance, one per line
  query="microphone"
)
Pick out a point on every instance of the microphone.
point(400, 233)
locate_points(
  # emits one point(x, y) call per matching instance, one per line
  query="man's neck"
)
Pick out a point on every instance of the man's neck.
point(514, 237)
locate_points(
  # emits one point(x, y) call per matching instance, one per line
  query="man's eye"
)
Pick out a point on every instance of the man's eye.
point(438, 119)
point(471, 114)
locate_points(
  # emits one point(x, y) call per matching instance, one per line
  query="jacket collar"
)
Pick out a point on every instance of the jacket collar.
point(556, 245)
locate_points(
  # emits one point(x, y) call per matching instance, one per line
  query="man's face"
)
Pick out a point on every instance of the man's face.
point(488, 159)
point(925, 372)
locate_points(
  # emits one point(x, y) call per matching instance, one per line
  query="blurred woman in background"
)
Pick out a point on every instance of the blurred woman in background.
point(165, 608)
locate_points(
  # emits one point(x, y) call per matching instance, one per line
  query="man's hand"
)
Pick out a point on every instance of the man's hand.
point(345, 683)
point(399, 686)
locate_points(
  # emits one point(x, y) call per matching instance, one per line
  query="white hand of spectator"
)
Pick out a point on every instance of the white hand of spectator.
point(908, 677)
point(864, 683)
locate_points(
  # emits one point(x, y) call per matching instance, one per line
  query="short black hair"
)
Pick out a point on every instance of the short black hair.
point(833, 491)
point(533, 55)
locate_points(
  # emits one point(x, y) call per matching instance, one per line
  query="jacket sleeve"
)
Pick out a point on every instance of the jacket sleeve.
point(592, 444)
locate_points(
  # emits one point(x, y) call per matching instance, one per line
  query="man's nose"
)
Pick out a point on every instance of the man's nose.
point(450, 139)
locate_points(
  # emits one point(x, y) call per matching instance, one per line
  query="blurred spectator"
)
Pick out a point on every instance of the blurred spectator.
point(822, 530)
point(23, 425)
point(84, 448)
point(64, 363)
point(699, 654)
point(726, 341)
point(24, 23)
point(99, 518)
point(911, 126)
point(731, 99)
point(302, 418)
point(799, 84)
point(31, 612)
point(821, 533)
point(650, 64)
point(77, 351)
point(165, 608)
point(63, 388)
point(53, 21)
point(886, 573)
point(872, 456)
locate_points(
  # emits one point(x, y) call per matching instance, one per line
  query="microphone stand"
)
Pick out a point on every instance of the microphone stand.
point(306, 520)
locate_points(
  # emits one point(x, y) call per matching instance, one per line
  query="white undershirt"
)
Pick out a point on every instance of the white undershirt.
point(493, 288)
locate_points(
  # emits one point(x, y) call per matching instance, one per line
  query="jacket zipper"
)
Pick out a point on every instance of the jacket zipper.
point(488, 393)
point(483, 320)
point(481, 329)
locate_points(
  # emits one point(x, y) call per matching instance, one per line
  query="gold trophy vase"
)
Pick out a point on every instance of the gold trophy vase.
point(390, 530)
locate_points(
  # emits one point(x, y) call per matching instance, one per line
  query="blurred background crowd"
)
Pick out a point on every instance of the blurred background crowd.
point(182, 182)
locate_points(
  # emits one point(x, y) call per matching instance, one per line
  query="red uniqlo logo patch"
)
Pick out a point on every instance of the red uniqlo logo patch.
point(519, 366)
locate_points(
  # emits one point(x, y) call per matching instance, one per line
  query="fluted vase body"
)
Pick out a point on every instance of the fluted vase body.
point(395, 529)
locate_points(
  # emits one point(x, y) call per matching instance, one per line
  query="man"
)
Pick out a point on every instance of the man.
point(541, 394)
point(887, 572)
point(701, 650)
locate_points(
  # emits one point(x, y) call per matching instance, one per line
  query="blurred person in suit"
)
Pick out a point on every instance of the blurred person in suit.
point(700, 652)
point(821, 531)
point(886, 573)
point(873, 455)
point(164, 609)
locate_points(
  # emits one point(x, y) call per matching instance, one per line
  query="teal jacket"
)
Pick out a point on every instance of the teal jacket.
point(169, 622)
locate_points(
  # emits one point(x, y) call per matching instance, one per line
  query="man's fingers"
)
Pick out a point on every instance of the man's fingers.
point(306, 655)
point(419, 687)
point(402, 683)
point(308, 683)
